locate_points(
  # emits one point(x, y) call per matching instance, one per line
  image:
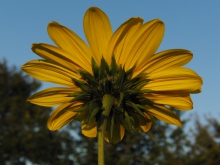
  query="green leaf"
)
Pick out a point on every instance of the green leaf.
point(146, 111)
point(112, 125)
point(81, 84)
point(94, 107)
point(129, 73)
point(127, 120)
point(76, 94)
point(140, 84)
point(89, 78)
point(133, 92)
point(145, 101)
point(83, 97)
point(103, 70)
point(85, 107)
point(107, 103)
point(113, 67)
point(129, 84)
point(120, 79)
point(132, 105)
point(121, 97)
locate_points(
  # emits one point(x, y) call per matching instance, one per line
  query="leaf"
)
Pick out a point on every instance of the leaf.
point(89, 78)
point(84, 107)
point(95, 68)
point(81, 84)
point(94, 107)
point(113, 69)
point(132, 105)
point(112, 125)
point(103, 70)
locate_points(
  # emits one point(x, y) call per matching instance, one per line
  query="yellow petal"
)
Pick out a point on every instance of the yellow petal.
point(52, 96)
point(165, 60)
point(59, 56)
point(196, 91)
point(177, 100)
point(143, 44)
point(90, 130)
point(71, 42)
point(119, 40)
point(98, 32)
point(61, 116)
point(49, 72)
point(174, 79)
point(165, 114)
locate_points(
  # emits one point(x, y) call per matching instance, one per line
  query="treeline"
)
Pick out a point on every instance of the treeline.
point(25, 139)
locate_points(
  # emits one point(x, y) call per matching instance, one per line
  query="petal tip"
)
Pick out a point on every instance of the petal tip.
point(53, 23)
point(93, 9)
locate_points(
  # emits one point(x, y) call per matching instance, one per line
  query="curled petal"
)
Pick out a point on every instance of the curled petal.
point(177, 100)
point(98, 32)
point(196, 91)
point(52, 96)
point(141, 122)
point(49, 72)
point(59, 56)
point(165, 114)
point(145, 123)
point(62, 116)
point(90, 130)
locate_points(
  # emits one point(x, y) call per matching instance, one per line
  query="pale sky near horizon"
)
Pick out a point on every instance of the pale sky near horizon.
point(192, 25)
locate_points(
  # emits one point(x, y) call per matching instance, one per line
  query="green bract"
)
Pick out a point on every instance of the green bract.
point(129, 102)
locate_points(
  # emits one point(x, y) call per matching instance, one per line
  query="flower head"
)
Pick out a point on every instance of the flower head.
point(122, 64)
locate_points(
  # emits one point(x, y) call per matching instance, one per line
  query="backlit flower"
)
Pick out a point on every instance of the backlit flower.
point(122, 64)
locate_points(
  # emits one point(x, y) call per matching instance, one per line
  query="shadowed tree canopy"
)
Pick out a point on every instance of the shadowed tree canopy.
point(24, 135)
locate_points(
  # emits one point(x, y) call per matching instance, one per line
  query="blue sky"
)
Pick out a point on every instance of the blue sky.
point(192, 25)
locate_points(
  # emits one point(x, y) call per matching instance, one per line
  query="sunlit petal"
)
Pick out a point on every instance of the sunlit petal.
point(62, 116)
point(145, 123)
point(90, 130)
point(52, 96)
point(119, 41)
point(71, 42)
point(49, 72)
point(58, 56)
point(177, 100)
point(174, 79)
point(143, 44)
point(166, 59)
point(165, 114)
point(98, 31)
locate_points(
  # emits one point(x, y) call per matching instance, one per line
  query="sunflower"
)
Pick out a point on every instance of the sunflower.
point(119, 70)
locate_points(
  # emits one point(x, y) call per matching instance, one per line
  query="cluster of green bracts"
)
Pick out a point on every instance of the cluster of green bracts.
point(129, 102)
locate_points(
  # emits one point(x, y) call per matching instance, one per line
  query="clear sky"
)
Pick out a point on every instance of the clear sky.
point(192, 25)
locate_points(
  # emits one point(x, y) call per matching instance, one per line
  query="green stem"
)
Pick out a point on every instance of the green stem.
point(108, 101)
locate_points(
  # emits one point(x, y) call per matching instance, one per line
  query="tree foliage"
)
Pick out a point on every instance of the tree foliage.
point(25, 138)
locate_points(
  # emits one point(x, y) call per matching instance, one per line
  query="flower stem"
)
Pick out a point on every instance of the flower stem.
point(108, 101)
